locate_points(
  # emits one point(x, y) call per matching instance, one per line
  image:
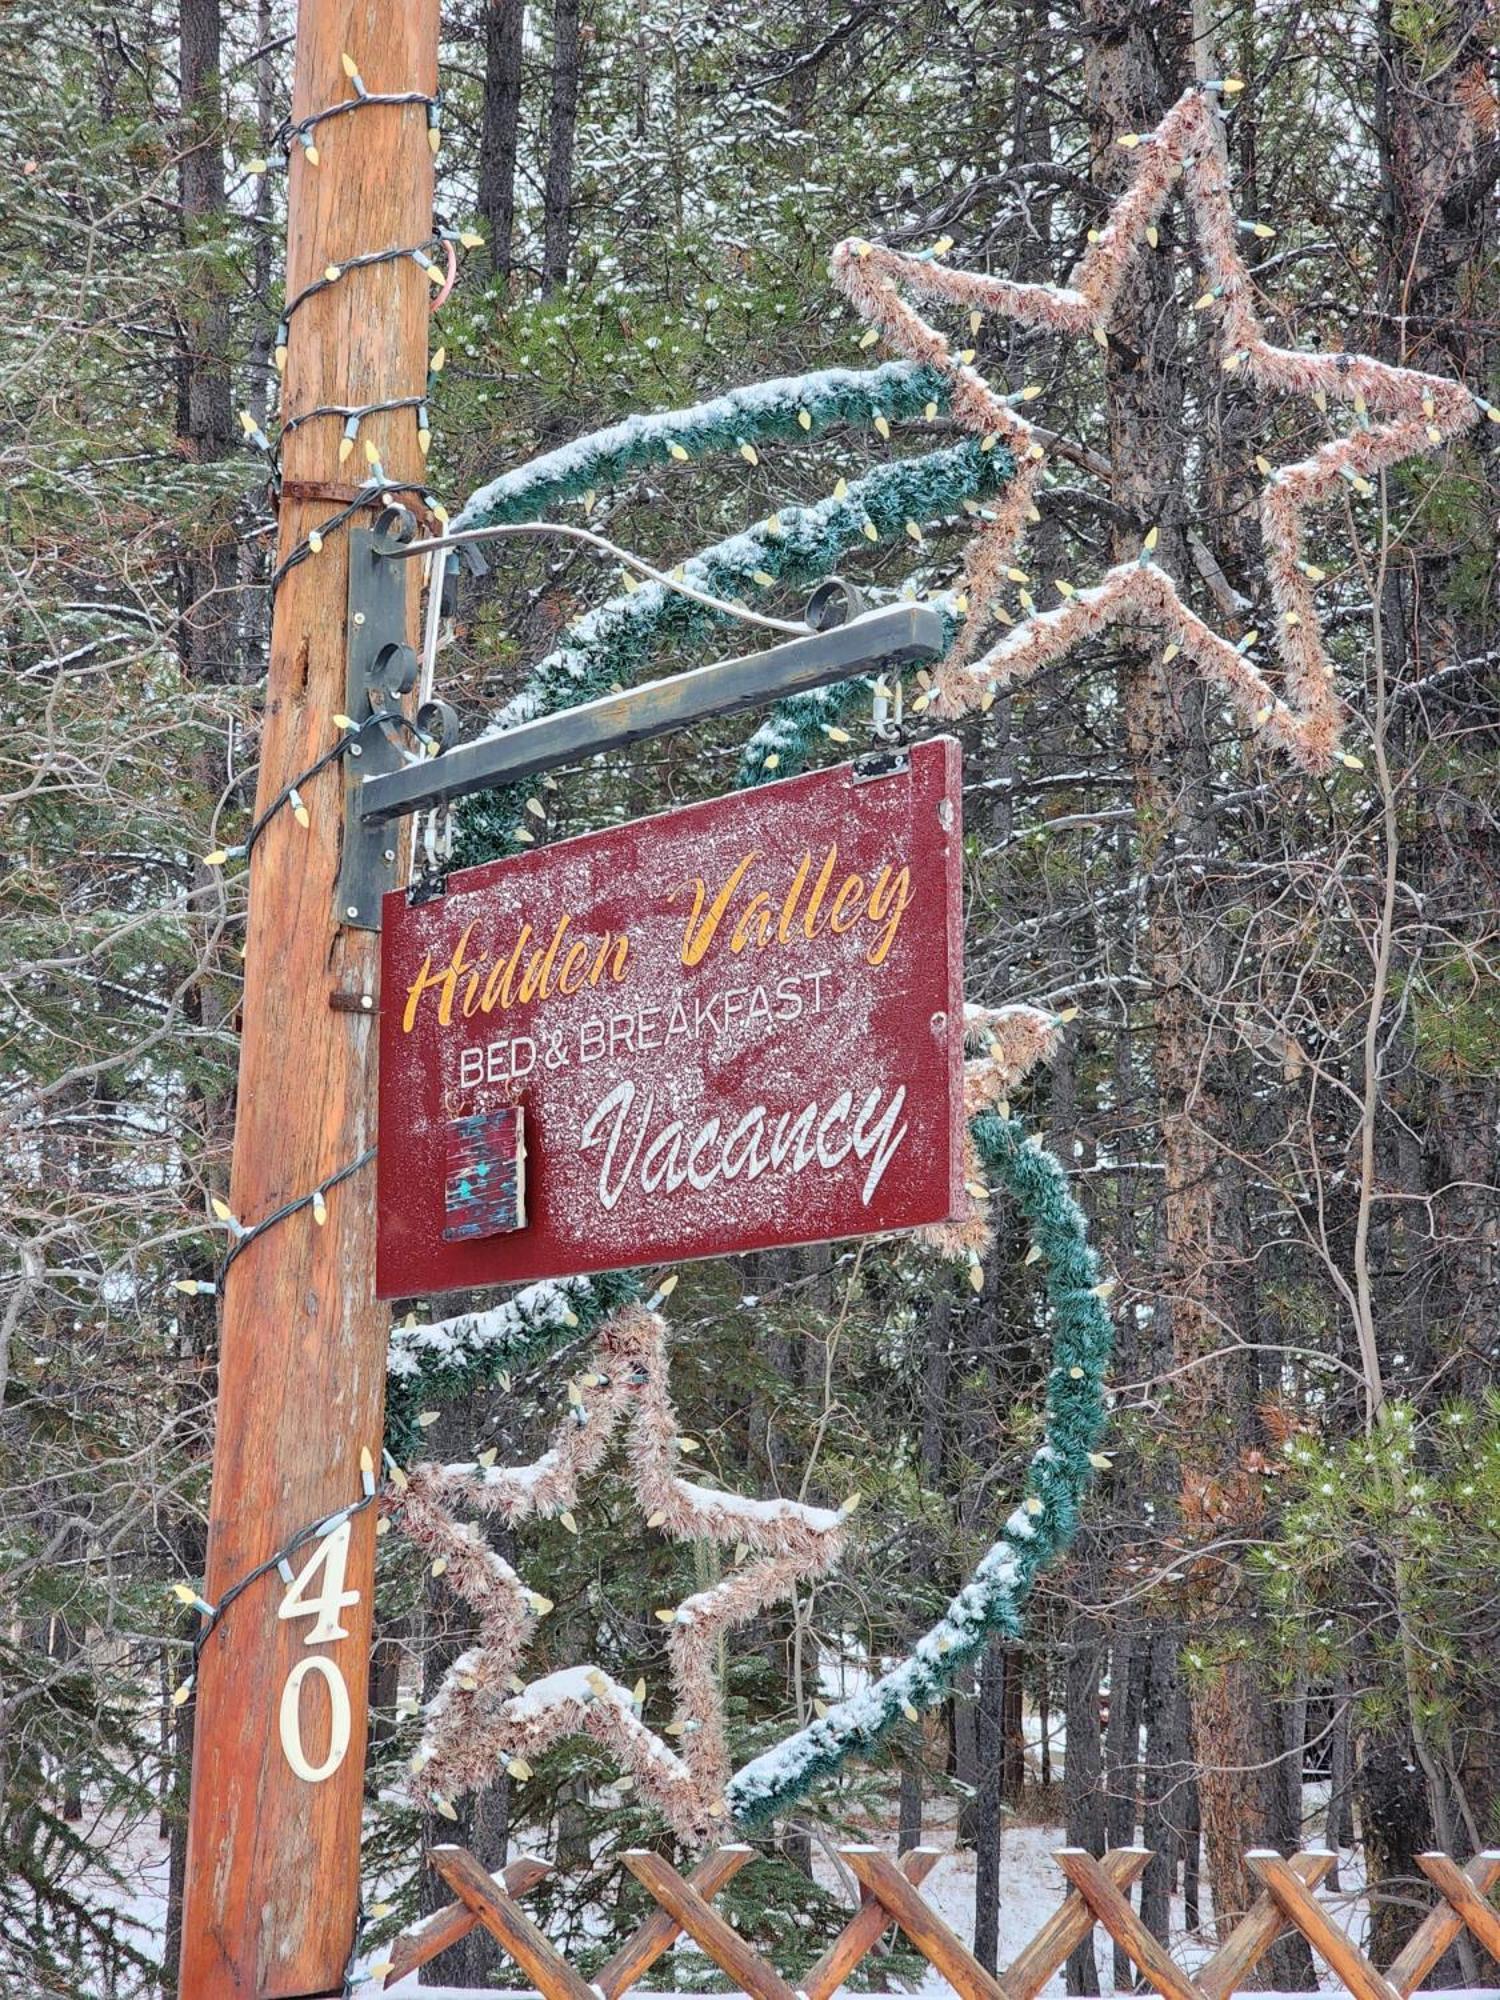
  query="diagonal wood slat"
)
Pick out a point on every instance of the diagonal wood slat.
point(729, 1951)
point(1462, 1896)
point(661, 1930)
point(940, 1946)
point(507, 1922)
point(1256, 1931)
point(1031, 1968)
point(1440, 1927)
point(864, 1930)
point(1334, 1946)
point(1149, 1958)
point(891, 1894)
point(454, 1921)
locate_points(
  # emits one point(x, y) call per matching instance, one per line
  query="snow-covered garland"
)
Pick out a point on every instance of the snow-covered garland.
point(445, 1359)
point(612, 645)
point(483, 1717)
point(1417, 412)
point(787, 406)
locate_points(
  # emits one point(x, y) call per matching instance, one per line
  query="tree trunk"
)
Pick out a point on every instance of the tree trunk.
point(909, 1807)
point(1161, 1770)
point(1135, 69)
point(1440, 146)
point(1013, 1731)
point(1122, 1746)
point(206, 426)
point(562, 125)
point(500, 128)
point(994, 1672)
point(1083, 1794)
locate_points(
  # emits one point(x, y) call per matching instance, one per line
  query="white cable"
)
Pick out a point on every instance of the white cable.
point(438, 545)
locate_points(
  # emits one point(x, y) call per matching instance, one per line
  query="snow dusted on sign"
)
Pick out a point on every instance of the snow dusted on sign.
point(709, 1017)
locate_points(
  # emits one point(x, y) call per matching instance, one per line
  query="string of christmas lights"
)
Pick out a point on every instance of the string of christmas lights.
point(302, 131)
point(1418, 411)
point(375, 490)
point(210, 1616)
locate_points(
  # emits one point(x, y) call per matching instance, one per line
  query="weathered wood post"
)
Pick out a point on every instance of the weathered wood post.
point(273, 1846)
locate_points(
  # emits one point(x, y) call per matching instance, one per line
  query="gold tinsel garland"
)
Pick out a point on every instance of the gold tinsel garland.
point(1399, 412)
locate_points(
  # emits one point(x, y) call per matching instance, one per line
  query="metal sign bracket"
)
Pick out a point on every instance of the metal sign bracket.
point(386, 782)
point(381, 669)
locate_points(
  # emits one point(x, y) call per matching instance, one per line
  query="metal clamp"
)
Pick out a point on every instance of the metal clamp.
point(381, 668)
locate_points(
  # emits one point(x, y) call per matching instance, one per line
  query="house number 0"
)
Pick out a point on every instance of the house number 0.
point(326, 1565)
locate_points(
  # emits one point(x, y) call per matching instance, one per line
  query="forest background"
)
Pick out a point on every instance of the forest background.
point(1279, 1100)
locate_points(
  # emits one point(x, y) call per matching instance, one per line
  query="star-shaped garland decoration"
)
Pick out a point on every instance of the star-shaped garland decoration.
point(1399, 412)
point(483, 1717)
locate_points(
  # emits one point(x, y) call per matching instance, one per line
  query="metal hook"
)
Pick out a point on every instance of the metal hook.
point(886, 710)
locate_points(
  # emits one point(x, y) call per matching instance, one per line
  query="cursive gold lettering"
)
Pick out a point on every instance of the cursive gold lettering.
point(445, 982)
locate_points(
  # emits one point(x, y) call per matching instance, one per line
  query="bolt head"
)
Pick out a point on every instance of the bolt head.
point(352, 910)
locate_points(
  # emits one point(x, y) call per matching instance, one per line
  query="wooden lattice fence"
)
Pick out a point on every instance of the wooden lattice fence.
point(891, 1894)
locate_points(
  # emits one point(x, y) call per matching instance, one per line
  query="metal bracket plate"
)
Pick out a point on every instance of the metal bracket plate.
point(380, 663)
point(877, 764)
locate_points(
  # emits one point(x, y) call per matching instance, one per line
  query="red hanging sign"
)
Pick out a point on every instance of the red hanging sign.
point(735, 1025)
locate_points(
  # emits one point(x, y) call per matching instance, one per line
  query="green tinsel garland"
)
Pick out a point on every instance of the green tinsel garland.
point(613, 645)
point(992, 1599)
point(609, 647)
point(438, 1363)
point(788, 406)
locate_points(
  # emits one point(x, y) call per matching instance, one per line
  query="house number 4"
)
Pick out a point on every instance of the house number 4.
point(326, 1565)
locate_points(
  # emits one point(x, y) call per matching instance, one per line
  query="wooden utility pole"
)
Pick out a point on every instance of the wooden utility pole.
point(273, 1855)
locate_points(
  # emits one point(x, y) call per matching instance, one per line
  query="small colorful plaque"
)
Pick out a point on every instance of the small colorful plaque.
point(484, 1193)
